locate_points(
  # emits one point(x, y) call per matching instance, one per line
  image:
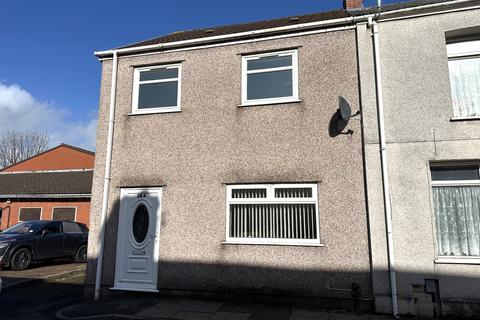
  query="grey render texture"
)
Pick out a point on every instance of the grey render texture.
point(212, 141)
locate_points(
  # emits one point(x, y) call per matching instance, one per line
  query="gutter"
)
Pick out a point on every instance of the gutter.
point(107, 177)
point(383, 163)
point(264, 32)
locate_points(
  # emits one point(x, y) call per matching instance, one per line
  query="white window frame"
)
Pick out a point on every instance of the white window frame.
point(453, 183)
point(137, 83)
point(293, 67)
point(463, 50)
point(270, 199)
point(20, 211)
point(66, 207)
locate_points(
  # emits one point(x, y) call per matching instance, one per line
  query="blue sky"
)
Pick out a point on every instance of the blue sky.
point(49, 78)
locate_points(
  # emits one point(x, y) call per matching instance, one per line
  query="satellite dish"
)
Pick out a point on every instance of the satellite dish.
point(340, 119)
point(345, 110)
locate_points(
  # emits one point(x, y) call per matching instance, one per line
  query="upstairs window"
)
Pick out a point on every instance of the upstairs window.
point(273, 214)
point(456, 201)
point(270, 78)
point(156, 89)
point(464, 68)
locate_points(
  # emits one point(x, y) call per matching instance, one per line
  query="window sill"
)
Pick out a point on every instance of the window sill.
point(465, 119)
point(262, 103)
point(153, 112)
point(458, 260)
point(263, 243)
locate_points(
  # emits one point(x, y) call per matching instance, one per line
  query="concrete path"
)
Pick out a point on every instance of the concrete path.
point(39, 271)
point(191, 309)
point(40, 299)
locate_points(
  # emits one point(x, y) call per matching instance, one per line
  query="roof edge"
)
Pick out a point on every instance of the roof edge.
point(46, 196)
point(205, 40)
point(48, 150)
point(45, 171)
point(210, 27)
point(92, 153)
point(362, 15)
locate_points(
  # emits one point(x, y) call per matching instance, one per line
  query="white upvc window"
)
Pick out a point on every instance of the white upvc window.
point(157, 89)
point(270, 78)
point(464, 69)
point(277, 214)
point(456, 202)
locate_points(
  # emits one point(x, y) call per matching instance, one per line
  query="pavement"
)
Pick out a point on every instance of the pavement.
point(40, 271)
point(40, 298)
point(55, 291)
point(192, 309)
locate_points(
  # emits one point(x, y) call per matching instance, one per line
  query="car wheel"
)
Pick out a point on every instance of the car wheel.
point(81, 255)
point(21, 259)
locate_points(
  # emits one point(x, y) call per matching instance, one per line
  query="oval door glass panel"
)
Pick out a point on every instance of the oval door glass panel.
point(140, 223)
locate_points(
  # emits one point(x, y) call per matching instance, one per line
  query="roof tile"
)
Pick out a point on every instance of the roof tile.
point(274, 23)
point(60, 182)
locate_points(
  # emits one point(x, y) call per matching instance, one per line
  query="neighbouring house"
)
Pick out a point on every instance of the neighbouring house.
point(53, 185)
point(430, 72)
point(233, 160)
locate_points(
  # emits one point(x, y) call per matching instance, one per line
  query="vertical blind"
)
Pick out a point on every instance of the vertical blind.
point(457, 211)
point(270, 212)
point(284, 221)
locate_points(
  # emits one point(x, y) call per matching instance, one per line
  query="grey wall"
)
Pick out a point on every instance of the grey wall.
point(213, 141)
point(418, 109)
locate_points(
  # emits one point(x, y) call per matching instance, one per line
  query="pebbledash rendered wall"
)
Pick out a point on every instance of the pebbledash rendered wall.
point(418, 108)
point(213, 141)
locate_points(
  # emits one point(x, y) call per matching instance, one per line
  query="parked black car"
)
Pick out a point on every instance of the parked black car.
point(38, 240)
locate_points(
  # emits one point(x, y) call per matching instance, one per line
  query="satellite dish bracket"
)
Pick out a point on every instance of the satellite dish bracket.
point(348, 118)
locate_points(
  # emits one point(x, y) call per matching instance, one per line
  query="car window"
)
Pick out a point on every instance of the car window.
point(54, 227)
point(25, 227)
point(83, 227)
point(71, 227)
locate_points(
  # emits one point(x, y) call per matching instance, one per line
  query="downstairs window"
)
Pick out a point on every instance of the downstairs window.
point(273, 214)
point(456, 201)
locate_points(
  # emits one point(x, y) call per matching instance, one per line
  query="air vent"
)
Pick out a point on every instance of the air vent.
point(210, 31)
point(294, 19)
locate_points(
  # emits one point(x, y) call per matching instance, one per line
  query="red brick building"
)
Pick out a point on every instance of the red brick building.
point(53, 185)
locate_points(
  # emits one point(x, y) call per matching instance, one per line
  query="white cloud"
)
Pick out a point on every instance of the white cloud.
point(21, 111)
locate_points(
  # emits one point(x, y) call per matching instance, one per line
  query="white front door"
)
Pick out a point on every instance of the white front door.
point(138, 239)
